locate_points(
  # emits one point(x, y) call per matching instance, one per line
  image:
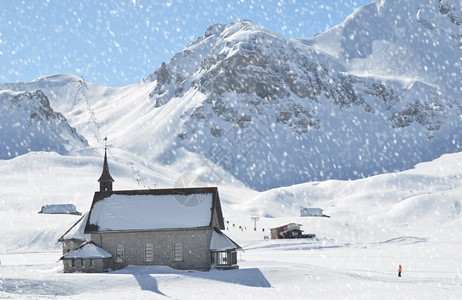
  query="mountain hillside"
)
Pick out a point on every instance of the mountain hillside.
point(28, 123)
point(378, 93)
point(418, 41)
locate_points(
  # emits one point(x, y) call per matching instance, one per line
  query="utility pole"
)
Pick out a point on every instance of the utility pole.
point(255, 218)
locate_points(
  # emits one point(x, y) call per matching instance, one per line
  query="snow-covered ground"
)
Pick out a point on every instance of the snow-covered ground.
point(410, 218)
point(289, 269)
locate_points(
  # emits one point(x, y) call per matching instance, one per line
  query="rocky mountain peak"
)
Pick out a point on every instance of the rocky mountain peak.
point(29, 123)
point(299, 93)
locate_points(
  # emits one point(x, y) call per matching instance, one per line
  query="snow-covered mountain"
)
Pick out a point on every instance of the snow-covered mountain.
point(378, 93)
point(28, 123)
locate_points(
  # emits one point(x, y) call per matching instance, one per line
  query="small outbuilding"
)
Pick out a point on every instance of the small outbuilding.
point(67, 209)
point(289, 231)
point(88, 258)
point(312, 212)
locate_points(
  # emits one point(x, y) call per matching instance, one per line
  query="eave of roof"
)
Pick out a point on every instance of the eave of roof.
point(150, 230)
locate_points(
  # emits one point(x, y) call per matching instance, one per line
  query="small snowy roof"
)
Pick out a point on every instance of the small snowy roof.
point(290, 225)
point(221, 242)
point(311, 212)
point(59, 209)
point(87, 251)
point(146, 210)
point(77, 230)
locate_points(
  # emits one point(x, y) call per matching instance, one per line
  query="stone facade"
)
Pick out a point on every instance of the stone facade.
point(70, 245)
point(193, 254)
point(95, 265)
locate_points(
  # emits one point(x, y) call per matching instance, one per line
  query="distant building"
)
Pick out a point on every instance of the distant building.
point(289, 231)
point(312, 212)
point(179, 228)
point(59, 209)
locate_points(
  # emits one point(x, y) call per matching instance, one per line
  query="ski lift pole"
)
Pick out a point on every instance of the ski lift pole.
point(255, 218)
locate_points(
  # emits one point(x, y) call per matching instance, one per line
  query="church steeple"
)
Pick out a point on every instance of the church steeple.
point(105, 181)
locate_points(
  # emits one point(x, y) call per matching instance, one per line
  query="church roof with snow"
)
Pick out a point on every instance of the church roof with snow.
point(150, 210)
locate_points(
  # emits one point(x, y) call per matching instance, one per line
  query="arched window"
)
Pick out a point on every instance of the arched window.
point(178, 251)
point(120, 253)
point(148, 252)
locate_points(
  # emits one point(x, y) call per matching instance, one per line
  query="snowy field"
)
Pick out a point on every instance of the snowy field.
point(297, 269)
point(410, 218)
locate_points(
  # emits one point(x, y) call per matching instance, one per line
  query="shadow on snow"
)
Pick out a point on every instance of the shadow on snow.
point(147, 282)
point(31, 287)
point(146, 276)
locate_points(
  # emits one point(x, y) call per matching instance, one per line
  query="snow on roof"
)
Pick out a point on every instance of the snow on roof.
point(289, 225)
point(77, 230)
point(311, 212)
point(123, 212)
point(59, 209)
point(221, 242)
point(87, 251)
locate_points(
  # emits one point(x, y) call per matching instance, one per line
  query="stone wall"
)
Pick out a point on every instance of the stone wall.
point(96, 265)
point(195, 246)
point(70, 245)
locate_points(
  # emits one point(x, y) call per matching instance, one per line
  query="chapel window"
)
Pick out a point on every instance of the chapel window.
point(178, 251)
point(148, 252)
point(119, 253)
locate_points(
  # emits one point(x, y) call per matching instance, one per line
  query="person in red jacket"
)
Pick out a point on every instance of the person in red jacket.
point(400, 269)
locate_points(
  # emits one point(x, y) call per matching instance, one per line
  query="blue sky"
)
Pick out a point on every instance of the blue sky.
point(118, 42)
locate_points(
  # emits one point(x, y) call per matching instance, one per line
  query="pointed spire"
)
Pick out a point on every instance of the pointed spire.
point(106, 180)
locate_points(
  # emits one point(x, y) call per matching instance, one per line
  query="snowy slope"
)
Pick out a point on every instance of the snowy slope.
point(90, 108)
point(410, 218)
point(423, 198)
point(414, 40)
